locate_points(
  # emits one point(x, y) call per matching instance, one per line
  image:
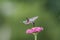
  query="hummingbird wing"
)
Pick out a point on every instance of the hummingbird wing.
point(33, 19)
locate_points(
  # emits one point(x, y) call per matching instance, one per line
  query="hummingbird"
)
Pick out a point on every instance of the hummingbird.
point(30, 20)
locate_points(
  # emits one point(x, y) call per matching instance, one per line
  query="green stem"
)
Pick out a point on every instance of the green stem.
point(35, 37)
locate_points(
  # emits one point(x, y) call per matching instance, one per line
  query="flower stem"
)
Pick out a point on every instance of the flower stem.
point(35, 36)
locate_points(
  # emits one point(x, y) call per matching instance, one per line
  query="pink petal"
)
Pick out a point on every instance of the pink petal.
point(29, 31)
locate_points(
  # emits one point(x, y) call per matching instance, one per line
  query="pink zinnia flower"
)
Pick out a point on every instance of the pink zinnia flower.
point(34, 30)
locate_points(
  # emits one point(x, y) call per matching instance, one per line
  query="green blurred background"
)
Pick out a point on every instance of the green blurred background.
point(14, 12)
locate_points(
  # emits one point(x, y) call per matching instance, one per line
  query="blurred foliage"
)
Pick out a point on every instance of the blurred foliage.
point(54, 5)
point(2, 19)
point(14, 12)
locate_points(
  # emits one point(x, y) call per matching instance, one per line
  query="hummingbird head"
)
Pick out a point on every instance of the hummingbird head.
point(27, 19)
